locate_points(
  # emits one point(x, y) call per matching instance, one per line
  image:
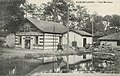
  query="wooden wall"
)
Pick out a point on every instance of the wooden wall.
point(44, 41)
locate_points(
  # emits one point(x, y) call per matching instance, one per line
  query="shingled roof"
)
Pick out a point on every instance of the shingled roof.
point(115, 36)
point(82, 33)
point(48, 27)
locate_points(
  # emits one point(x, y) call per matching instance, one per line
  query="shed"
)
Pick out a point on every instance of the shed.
point(112, 40)
point(78, 38)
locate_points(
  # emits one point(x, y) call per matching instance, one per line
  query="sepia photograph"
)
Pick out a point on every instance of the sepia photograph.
point(59, 37)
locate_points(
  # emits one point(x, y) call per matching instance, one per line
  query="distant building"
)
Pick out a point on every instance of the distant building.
point(78, 38)
point(112, 40)
point(37, 34)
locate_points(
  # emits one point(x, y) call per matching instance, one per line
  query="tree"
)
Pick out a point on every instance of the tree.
point(11, 15)
point(107, 19)
point(115, 22)
point(57, 11)
point(111, 23)
point(93, 20)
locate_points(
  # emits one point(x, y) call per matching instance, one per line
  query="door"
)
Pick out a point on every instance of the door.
point(27, 44)
point(84, 42)
point(118, 43)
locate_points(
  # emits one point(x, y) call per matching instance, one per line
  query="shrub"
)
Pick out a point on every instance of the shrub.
point(1, 42)
point(28, 56)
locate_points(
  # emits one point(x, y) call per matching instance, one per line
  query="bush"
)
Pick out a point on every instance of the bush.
point(1, 42)
point(87, 46)
point(28, 56)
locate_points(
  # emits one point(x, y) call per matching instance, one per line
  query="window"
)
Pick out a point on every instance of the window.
point(74, 43)
point(84, 56)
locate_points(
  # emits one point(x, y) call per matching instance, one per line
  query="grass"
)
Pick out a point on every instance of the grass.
point(9, 58)
point(13, 52)
point(23, 66)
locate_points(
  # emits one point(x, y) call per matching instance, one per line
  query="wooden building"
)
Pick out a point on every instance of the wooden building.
point(78, 38)
point(37, 34)
point(111, 40)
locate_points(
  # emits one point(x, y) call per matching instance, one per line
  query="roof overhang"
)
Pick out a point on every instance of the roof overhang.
point(81, 34)
point(61, 29)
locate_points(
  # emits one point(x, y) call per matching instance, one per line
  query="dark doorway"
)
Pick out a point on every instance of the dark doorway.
point(27, 44)
point(84, 56)
point(118, 43)
point(84, 42)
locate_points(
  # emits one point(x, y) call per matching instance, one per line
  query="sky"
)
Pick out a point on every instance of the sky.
point(101, 7)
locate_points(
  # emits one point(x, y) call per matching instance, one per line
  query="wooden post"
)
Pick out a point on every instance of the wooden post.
point(92, 30)
point(92, 41)
point(53, 50)
point(55, 20)
point(67, 38)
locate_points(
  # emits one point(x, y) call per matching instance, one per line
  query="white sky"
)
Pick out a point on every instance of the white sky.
point(100, 8)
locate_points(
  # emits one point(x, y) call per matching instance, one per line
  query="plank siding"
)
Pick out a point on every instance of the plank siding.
point(17, 42)
point(49, 39)
point(45, 41)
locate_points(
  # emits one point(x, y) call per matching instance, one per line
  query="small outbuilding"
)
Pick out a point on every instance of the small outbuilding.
point(78, 38)
point(111, 40)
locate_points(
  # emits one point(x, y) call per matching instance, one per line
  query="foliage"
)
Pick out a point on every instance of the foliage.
point(79, 17)
point(11, 15)
point(112, 24)
point(22, 66)
point(115, 22)
point(1, 42)
point(57, 10)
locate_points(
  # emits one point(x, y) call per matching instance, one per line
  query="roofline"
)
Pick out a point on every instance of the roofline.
point(43, 31)
point(81, 34)
point(44, 21)
point(55, 33)
point(103, 38)
point(108, 39)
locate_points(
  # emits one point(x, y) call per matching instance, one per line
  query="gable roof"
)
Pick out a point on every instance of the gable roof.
point(48, 27)
point(115, 36)
point(82, 33)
